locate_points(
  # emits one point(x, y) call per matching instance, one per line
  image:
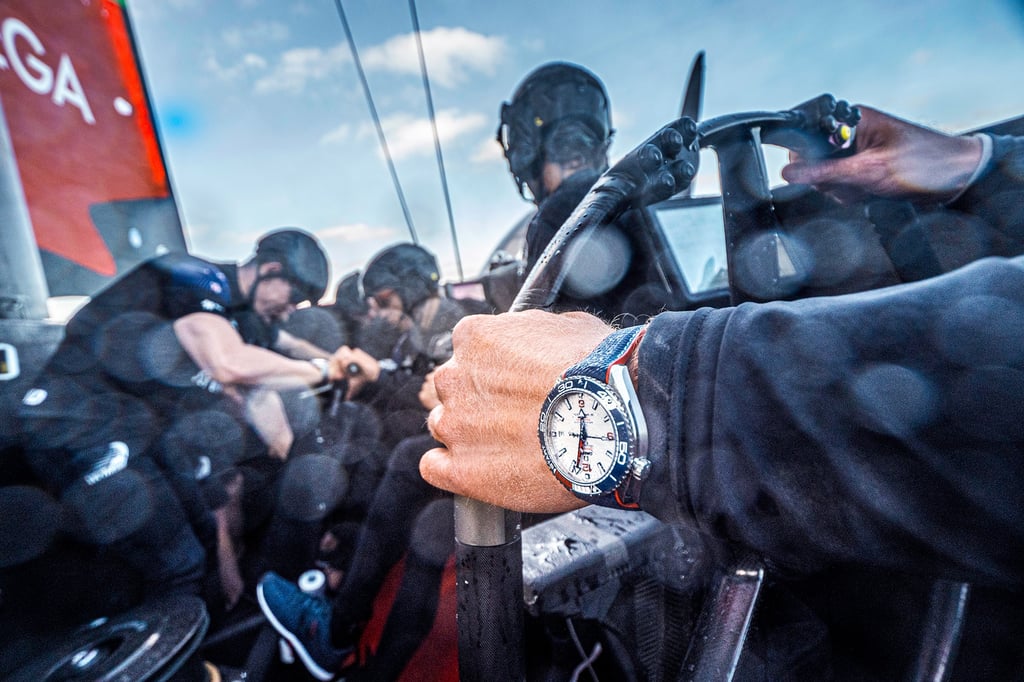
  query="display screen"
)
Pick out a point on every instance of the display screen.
point(695, 234)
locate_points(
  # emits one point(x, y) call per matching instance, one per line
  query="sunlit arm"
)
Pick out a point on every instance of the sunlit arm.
point(215, 346)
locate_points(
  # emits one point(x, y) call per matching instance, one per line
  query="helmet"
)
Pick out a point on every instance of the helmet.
point(549, 94)
point(348, 298)
point(302, 259)
point(410, 270)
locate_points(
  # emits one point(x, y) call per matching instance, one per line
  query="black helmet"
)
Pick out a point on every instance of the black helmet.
point(549, 94)
point(348, 298)
point(410, 270)
point(302, 259)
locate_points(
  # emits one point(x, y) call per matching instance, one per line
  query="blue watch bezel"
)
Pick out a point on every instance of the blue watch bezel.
point(621, 423)
point(605, 367)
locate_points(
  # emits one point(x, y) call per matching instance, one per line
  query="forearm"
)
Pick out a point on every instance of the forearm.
point(254, 366)
point(218, 350)
point(880, 428)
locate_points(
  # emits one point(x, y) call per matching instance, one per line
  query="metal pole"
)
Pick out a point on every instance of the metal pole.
point(23, 289)
point(489, 571)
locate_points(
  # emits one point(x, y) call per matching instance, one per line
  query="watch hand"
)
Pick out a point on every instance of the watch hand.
point(583, 439)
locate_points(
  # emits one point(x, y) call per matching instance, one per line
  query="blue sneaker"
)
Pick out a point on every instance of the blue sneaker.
point(304, 620)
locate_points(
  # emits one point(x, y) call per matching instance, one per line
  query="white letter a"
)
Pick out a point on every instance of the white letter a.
point(68, 89)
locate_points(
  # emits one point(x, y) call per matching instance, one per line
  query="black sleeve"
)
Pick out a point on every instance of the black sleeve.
point(884, 428)
point(997, 198)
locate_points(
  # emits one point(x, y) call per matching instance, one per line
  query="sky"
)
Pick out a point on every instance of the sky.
point(264, 122)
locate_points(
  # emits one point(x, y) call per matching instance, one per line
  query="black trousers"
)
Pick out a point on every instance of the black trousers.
point(410, 518)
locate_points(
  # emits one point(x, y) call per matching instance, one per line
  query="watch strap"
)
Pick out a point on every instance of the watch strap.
point(614, 350)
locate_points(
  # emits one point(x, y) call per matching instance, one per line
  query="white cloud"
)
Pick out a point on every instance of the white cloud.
point(259, 32)
point(488, 151)
point(409, 136)
point(300, 66)
point(248, 63)
point(450, 54)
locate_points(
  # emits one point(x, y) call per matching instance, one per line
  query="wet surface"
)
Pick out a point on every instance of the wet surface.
point(579, 553)
point(149, 642)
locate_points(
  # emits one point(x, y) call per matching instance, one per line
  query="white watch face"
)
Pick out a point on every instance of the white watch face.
point(586, 436)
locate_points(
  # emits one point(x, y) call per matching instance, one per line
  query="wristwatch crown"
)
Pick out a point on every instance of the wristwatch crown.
point(640, 467)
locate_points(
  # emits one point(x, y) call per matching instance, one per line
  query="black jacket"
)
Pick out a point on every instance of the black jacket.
point(870, 443)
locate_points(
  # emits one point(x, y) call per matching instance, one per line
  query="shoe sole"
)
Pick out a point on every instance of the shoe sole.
point(304, 656)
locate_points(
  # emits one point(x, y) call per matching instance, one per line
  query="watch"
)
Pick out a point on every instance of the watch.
point(324, 365)
point(592, 431)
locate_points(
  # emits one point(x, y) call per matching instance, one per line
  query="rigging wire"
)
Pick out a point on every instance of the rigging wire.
point(376, 121)
point(437, 139)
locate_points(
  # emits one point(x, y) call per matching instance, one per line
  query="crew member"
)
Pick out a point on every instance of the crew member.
point(555, 133)
point(149, 363)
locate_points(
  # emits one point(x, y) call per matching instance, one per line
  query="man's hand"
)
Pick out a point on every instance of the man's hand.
point(491, 392)
point(369, 369)
point(895, 159)
point(428, 393)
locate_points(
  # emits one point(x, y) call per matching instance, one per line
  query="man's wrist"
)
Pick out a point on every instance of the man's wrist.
point(324, 366)
point(633, 359)
point(983, 162)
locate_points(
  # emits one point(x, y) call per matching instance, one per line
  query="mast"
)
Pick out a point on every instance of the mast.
point(23, 290)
